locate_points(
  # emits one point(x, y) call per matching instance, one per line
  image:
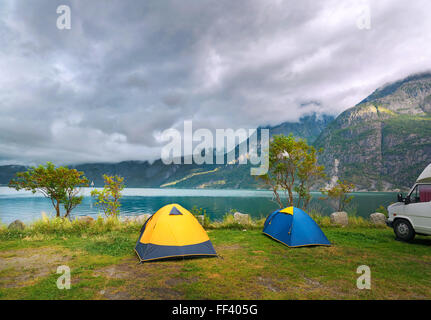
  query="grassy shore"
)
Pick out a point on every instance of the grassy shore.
point(252, 266)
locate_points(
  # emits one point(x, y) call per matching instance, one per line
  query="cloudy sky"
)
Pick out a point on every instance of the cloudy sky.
point(127, 70)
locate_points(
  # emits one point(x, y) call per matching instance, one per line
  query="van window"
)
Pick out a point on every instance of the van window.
point(414, 196)
point(424, 192)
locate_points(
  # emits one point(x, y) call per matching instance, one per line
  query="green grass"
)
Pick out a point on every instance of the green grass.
point(251, 266)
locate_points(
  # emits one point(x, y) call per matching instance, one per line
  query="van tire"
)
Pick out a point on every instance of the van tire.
point(404, 230)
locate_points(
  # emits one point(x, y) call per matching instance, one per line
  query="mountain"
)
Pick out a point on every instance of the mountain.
point(308, 127)
point(8, 172)
point(238, 176)
point(384, 142)
point(143, 174)
point(157, 174)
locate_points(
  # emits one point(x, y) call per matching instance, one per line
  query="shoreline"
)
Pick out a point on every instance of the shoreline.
point(227, 189)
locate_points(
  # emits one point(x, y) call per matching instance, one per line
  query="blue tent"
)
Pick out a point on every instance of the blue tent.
point(294, 228)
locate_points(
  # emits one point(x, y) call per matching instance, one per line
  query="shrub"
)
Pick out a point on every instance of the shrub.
point(109, 197)
point(383, 210)
point(338, 195)
point(229, 222)
point(322, 221)
point(196, 212)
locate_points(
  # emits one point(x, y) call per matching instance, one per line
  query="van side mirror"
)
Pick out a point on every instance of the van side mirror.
point(407, 200)
point(400, 197)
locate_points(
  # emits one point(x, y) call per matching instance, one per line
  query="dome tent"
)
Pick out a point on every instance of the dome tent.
point(172, 232)
point(294, 228)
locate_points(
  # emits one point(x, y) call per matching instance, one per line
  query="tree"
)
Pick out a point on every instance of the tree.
point(109, 197)
point(308, 172)
point(74, 180)
point(339, 194)
point(292, 167)
point(60, 184)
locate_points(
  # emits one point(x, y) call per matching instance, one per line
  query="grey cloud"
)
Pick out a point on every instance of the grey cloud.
point(127, 70)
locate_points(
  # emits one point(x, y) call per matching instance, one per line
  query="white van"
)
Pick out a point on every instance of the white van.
point(411, 215)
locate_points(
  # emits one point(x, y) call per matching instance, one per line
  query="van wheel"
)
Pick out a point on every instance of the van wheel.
point(404, 230)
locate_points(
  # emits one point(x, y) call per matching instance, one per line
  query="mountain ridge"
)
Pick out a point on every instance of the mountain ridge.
point(156, 174)
point(383, 142)
point(380, 144)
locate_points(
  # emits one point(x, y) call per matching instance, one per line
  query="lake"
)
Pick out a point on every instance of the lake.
point(28, 207)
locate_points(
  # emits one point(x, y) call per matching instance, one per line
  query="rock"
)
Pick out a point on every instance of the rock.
point(17, 225)
point(340, 218)
point(85, 219)
point(378, 218)
point(142, 218)
point(124, 218)
point(127, 218)
point(241, 218)
point(137, 219)
point(201, 219)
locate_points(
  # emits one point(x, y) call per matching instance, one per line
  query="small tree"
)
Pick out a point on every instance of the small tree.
point(109, 197)
point(61, 185)
point(74, 180)
point(292, 167)
point(308, 172)
point(338, 194)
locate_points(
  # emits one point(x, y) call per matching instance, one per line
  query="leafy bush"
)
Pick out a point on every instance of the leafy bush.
point(109, 197)
point(383, 210)
point(229, 222)
point(196, 212)
point(323, 221)
point(338, 195)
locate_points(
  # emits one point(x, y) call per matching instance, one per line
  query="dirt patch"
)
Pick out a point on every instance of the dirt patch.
point(121, 271)
point(228, 247)
point(165, 293)
point(158, 280)
point(269, 284)
point(131, 269)
point(173, 282)
point(20, 268)
point(115, 294)
point(312, 283)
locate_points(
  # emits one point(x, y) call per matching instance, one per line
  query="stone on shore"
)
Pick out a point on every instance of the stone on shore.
point(201, 219)
point(16, 225)
point(241, 218)
point(137, 219)
point(142, 218)
point(378, 218)
point(85, 219)
point(340, 218)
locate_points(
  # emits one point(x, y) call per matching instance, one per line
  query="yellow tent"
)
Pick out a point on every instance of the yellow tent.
point(172, 232)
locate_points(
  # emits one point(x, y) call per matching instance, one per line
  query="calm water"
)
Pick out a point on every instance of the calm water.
point(28, 207)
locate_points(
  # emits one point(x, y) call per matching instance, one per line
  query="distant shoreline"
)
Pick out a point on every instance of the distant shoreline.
point(229, 189)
